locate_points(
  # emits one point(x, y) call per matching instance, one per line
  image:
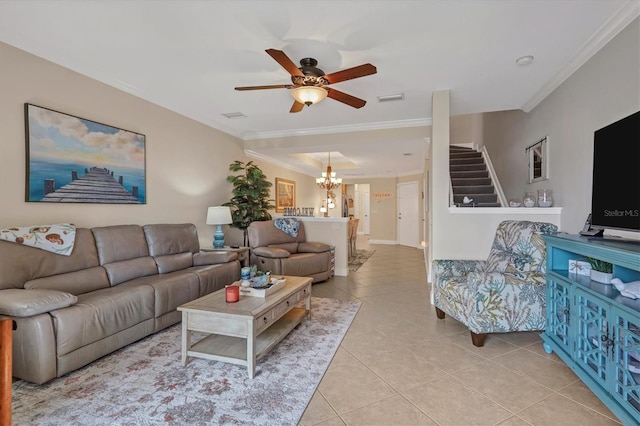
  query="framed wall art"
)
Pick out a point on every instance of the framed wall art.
point(285, 194)
point(75, 160)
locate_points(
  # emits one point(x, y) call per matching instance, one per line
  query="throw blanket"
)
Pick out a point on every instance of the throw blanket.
point(57, 238)
point(288, 225)
point(630, 289)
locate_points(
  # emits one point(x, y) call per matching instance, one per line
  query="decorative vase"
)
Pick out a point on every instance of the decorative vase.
point(545, 198)
point(601, 277)
point(528, 200)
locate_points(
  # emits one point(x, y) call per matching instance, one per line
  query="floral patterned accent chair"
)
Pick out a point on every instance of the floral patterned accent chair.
point(502, 294)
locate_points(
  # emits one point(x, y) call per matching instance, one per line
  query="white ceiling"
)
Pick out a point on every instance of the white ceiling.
point(188, 55)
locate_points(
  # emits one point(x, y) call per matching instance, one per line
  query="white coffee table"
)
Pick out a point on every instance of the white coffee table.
point(243, 332)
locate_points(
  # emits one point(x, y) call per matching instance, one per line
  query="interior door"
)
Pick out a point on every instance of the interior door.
point(408, 220)
point(366, 222)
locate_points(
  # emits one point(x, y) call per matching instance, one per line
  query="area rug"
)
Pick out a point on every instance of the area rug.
point(361, 256)
point(146, 384)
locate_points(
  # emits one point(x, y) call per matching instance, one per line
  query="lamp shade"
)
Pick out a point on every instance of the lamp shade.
point(309, 95)
point(219, 215)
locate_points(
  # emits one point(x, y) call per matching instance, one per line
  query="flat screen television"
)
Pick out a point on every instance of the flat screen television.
point(615, 197)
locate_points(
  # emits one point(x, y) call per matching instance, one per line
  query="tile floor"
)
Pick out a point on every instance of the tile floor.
point(399, 365)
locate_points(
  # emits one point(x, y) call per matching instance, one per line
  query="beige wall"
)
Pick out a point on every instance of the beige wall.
point(605, 89)
point(186, 162)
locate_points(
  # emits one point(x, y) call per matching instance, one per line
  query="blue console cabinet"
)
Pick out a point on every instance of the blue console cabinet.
point(590, 326)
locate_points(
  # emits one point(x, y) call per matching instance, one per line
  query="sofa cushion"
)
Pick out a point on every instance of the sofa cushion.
point(120, 242)
point(272, 252)
point(163, 239)
point(264, 233)
point(173, 262)
point(290, 247)
point(214, 257)
point(73, 282)
point(27, 303)
point(305, 264)
point(215, 277)
point(170, 290)
point(100, 314)
point(311, 247)
point(35, 263)
point(126, 270)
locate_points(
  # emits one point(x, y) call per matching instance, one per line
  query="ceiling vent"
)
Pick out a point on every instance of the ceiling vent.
point(387, 98)
point(234, 115)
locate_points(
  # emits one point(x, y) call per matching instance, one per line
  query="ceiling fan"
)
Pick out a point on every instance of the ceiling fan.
point(310, 83)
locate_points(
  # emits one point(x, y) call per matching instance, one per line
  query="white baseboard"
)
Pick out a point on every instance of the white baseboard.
point(342, 272)
point(393, 243)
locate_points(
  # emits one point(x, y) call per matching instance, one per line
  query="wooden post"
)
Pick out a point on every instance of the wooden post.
point(120, 180)
point(6, 327)
point(134, 191)
point(49, 186)
point(74, 175)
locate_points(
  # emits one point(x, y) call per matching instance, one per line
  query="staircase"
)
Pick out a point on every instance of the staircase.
point(470, 178)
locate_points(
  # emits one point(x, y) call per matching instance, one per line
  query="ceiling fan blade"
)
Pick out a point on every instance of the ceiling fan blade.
point(350, 73)
point(274, 86)
point(296, 107)
point(284, 60)
point(345, 98)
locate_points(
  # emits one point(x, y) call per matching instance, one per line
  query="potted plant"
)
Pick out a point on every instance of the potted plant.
point(250, 200)
point(601, 271)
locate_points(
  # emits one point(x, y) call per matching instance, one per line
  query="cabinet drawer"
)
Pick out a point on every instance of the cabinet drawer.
point(286, 306)
point(265, 320)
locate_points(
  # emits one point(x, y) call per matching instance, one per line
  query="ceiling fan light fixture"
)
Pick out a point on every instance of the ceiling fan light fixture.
point(309, 95)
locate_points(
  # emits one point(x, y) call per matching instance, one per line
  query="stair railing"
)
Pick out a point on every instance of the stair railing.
point(494, 178)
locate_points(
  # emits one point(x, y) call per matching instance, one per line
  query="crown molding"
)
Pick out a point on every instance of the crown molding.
point(623, 17)
point(339, 129)
point(275, 162)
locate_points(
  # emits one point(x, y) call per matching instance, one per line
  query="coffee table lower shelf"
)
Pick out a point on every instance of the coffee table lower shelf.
point(234, 349)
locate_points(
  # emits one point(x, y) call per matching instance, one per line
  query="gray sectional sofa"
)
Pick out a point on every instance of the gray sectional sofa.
point(120, 284)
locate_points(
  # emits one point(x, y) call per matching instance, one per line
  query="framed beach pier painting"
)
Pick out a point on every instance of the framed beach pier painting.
point(75, 160)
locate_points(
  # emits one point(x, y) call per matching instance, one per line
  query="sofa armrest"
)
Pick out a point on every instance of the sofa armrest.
point(213, 257)
point(27, 303)
point(272, 252)
point(311, 247)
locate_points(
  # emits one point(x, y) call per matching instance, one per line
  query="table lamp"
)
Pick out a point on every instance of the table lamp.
point(219, 215)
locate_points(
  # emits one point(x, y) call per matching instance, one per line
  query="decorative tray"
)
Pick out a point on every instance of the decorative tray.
point(275, 284)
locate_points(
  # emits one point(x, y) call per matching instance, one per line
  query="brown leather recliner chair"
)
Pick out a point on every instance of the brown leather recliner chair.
point(282, 254)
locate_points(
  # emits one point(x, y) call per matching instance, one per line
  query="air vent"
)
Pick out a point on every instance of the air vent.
point(387, 98)
point(234, 115)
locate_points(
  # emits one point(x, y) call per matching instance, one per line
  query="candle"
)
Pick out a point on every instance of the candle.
point(232, 293)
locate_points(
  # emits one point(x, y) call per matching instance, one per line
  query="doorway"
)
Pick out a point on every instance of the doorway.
point(362, 205)
point(408, 218)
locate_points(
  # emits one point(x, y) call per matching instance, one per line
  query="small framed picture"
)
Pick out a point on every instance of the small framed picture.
point(285, 194)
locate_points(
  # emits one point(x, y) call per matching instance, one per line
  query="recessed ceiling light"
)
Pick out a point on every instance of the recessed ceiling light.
point(524, 60)
point(386, 98)
point(233, 115)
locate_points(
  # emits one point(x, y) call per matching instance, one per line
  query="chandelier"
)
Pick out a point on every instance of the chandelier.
point(329, 180)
